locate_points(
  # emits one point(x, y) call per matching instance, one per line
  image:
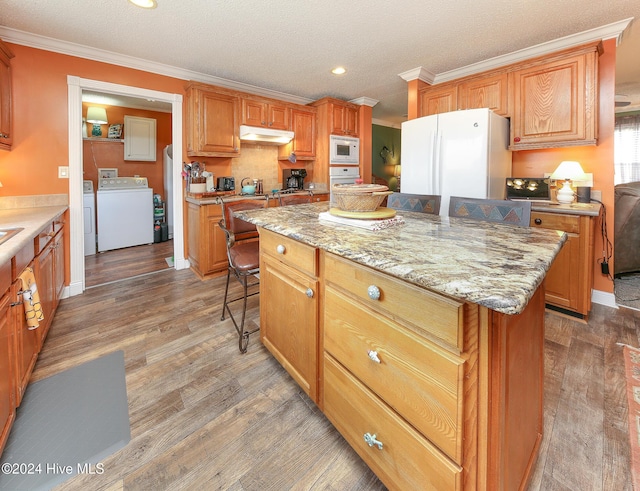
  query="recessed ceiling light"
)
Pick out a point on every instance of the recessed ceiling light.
point(338, 70)
point(145, 4)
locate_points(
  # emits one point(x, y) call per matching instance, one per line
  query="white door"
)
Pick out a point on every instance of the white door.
point(418, 173)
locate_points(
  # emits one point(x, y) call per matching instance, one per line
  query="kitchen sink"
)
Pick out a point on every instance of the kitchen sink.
point(7, 233)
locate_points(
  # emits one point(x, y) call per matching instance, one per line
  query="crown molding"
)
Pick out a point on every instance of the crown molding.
point(80, 51)
point(610, 31)
point(364, 101)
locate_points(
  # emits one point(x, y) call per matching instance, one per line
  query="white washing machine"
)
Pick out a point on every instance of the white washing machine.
point(89, 215)
point(125, 212)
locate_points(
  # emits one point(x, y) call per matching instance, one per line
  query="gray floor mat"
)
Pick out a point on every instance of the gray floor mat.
point(67, 424)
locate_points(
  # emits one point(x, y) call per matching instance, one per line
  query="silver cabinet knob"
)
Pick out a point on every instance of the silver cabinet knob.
point(373, 355)
point(280, 249)
point(374, 292)
point(309, 293)
point(371, 440)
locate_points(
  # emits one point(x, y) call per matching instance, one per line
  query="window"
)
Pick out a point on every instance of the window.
point(627, 149)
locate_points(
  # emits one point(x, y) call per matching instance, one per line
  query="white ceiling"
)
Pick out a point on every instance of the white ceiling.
point(290, 46)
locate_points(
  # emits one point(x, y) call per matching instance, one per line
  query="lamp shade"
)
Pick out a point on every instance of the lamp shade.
point(569, 170)
point(97, 115)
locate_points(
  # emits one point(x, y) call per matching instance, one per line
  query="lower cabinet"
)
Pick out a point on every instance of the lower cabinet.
point(569, 282)
point(206, 244)
point(289, 317)
point(431, 392)
point(7, 377)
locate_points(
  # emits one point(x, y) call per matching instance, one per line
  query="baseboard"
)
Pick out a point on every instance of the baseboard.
point(604, 298)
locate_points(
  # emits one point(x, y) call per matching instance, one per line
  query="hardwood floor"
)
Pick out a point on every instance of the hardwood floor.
point(119, 264)
point(205, 417)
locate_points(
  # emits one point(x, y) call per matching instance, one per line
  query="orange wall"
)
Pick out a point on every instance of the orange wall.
point(40, 113)
point(99, 154)
point(596, 159)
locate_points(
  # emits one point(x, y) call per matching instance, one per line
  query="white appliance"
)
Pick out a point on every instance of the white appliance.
point(461, 153)
point(89, 215)
point(342, 175)
point(167, 161)
point(344, 150)
point(125, 213)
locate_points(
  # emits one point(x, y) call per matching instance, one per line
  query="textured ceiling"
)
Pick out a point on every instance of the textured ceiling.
point(290, 46)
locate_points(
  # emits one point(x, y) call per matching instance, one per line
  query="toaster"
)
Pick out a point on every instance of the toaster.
point(226, 184)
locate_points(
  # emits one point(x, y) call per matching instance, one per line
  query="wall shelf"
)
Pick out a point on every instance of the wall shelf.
point(117, 140)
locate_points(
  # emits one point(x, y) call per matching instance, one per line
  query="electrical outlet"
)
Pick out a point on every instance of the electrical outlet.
point(63, 171)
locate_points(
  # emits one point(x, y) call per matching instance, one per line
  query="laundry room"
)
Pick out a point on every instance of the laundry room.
point(130, 207)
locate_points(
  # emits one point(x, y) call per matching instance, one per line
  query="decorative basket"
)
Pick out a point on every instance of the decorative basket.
point(359, 197)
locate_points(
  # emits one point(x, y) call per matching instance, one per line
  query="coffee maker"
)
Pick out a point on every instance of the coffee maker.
point(293, 179)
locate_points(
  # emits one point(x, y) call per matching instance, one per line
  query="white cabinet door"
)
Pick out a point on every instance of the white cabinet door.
point(139, 138)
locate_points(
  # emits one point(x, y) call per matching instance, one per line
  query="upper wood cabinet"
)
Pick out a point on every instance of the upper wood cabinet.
point(555, 101)
point(488, 91)
point(212, 122)
point(268, 114)
point(303, 145)
point(5, 97)
point(438, 99)
point(344, 119)
point(552, 101)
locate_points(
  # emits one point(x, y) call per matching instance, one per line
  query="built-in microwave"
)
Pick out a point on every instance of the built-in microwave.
point(344, 150)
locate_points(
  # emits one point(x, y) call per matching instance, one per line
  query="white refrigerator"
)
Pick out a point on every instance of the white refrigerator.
point(460, 153)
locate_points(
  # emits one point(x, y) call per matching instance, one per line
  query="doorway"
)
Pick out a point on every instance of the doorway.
point(76, 86)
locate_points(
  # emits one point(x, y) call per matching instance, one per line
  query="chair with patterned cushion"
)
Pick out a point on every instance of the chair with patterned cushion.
point(491, 210)
point(243, 253)
point(422, 203)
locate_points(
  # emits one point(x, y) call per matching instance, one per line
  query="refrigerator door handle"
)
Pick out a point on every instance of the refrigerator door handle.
point(435, 166)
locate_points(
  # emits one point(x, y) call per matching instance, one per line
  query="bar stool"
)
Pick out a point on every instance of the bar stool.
point(243, 253)
point(422, 203)
point(491, 210)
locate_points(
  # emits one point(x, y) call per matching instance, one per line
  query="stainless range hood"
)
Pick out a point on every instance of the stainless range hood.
point(265, 135)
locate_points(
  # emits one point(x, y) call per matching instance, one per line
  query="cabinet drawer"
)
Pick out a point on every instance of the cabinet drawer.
point(424, 312)
point(213, 211)
point(407, 460)
point(556, 221)
point(291, 252)
point(419, 380)
point(44, 237)
point(5, 277)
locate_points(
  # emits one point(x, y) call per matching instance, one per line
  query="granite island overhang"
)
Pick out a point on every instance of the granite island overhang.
point(422, 343)
point(493, 265)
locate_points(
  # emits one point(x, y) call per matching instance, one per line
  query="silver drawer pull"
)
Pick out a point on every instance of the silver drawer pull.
point(374, 292)
point(309, 293)
point(371, 440)
point(280, 249)
point(373, 355)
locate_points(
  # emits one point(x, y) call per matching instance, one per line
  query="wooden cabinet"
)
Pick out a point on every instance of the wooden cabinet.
point(487, 91)
point(7, 368)
point(268, 114)
point(555, 102)
point(139, 139)
point(206, 244)
point(6, 135)
point(470, 93)
point(344, 119)
point(569, 282)
point(212, 122)
point(289, 301)
point(303, 145)
point(552, 101)
point(438, 99)
point(431, 392)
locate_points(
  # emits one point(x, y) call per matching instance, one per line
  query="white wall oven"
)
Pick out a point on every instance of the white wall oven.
point(342, 175)
point(344, 150)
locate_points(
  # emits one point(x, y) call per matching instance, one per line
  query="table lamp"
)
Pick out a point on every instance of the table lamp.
point(96, 116)
point(567, 171)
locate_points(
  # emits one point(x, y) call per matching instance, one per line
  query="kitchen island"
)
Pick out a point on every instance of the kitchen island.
point(422, 343)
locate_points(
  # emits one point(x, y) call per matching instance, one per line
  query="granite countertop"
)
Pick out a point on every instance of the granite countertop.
point(212, 198)
point(33, 220)
point(493, 265)
point(590, 209)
